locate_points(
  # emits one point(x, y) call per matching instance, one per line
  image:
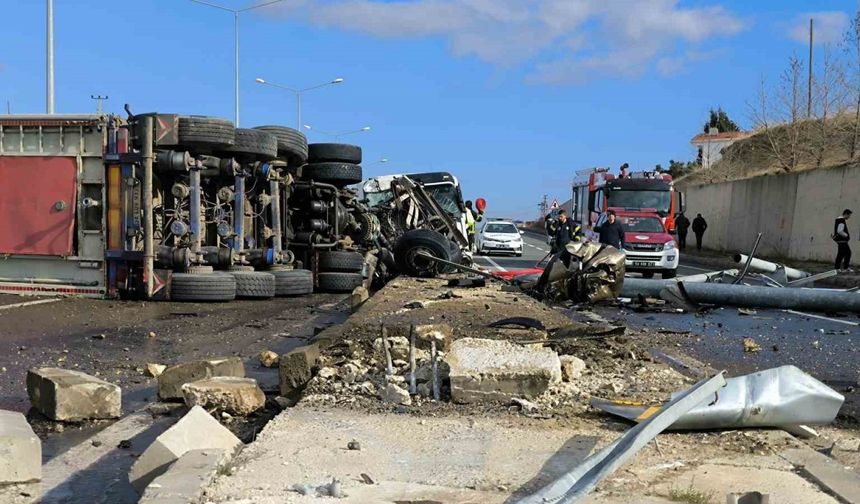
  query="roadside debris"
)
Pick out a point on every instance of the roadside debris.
point(295, 367)
point(197, 430)
point(581, 480)
point(20, 449)
point(229, 394)
point(170, 381)
point(186, 479)
point(751, 346)
point(154, 370)
point(746, 311)
point(71, 396)
point(268, 358)
point(777, 397)
point(583, 271)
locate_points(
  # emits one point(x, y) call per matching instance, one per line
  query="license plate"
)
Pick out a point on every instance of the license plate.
point(642, 263)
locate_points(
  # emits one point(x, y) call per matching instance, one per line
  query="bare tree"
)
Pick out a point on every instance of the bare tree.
point(852, 47)
point(830, 95)
point(779, 115)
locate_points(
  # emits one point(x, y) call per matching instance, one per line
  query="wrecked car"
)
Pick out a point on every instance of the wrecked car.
point(582, 272)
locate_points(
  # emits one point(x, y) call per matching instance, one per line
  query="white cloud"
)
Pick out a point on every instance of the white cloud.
point(562, 41)
point(828, 27)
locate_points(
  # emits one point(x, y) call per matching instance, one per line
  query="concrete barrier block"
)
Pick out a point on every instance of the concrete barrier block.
point(483, 370)
point(20, 449)
point(197, 430)
point(171, 380)
point(295, 367)
point(66, 395)
point(237, 396)
point(185, 479)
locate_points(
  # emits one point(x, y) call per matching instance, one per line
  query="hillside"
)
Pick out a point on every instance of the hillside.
point(816, 145)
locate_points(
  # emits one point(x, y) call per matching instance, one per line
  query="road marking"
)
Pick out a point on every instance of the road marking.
point(29, 303)
point(695, 268)
point(821, 317)
point(494, 263)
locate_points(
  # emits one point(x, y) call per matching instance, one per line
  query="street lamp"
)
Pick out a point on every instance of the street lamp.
point(337, 134)
point(236, 13)
point(298, 93)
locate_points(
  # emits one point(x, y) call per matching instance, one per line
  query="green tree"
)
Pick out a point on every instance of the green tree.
point(679, 168)
point(720, 120)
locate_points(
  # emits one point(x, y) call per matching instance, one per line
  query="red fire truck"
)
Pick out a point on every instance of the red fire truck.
point(640, 191)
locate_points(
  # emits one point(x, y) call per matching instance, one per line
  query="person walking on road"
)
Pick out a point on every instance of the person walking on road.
point(699, 227)
point(841, 236)
point(682, 224)
point(565, 231)
point(611, 232)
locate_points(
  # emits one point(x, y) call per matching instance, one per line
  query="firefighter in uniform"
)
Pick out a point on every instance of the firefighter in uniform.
point(564, 231)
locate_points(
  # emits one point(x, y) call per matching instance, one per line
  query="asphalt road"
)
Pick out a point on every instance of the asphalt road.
point(824, 345)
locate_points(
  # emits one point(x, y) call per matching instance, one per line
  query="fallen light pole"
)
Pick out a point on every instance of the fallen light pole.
point(705, 277)
point(751, 296)
point(769, 267)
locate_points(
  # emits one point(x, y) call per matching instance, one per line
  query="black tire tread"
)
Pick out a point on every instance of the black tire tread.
point(194, 130)
point(334, 152)
point(254, 284)
point(339, 281)
point(438, 244)
point(342, 261)
point(293, 282)
point(202, 287)
point(292, 144)
point(335, 173)
point(256, 143)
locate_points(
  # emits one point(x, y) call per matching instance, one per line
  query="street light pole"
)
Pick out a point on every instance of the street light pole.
point(49, 40)
point(236, 13)
point(298, 93)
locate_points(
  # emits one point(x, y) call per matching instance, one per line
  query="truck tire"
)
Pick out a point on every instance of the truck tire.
point(202, 287)
point(426, 240)
point(206, 131)
point(292, 144)
point(254, 144)
point(338, 260)
point(293, 282)
point(334, 152)
point(338, 174)
point(254, 284)
point(339, 282)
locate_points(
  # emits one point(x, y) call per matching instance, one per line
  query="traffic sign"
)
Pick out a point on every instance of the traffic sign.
point(554, 205)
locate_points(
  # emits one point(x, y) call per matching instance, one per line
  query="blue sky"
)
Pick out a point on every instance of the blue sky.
point(512, 96)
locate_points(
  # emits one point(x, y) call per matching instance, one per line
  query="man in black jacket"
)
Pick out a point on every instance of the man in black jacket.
point(841, 236)
point(565, 231)
point(699, 227)
point(682, 225)
point(611, 232)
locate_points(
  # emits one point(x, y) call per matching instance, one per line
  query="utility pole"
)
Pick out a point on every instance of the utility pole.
point(543, 206)
point(8, 107)
point(809, 82)
point(100, 99)
point(49, 49)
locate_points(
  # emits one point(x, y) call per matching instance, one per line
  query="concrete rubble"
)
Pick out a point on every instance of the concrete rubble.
point(236, 396)
point(487, 370)
point(268, 358)
point(20, 450)
point(197, 430)
point(295, 368)
point(185, 480)
point(170, 381)
point(72, 396)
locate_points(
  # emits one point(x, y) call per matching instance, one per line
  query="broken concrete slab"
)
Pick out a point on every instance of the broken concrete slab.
point(359, 295)
point(154, 370)
point(571, 367)
point(170, 382)
point(296, 367)
point(442, 333)
point(197, 430)
point(237, 396)
point(185, 480)
point(494, 370)
point(20, 450)
point(66, 395)
point(826, 472)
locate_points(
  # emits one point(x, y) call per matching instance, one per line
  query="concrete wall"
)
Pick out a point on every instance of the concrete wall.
point(794, 212)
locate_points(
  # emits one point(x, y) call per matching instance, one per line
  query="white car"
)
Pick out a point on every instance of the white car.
point(500, 236)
